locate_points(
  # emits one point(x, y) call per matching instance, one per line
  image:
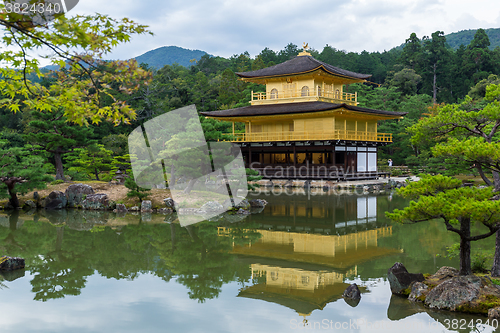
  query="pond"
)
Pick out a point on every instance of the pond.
point(280, 270)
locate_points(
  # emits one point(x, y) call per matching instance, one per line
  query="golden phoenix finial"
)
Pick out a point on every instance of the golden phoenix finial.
point(305, 46)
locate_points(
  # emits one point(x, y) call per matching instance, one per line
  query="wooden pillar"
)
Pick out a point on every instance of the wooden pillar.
point(294, 159)
point(249, 155)
point(233, 128)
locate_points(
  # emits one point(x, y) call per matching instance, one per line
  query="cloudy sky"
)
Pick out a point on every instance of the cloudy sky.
point(227, 27)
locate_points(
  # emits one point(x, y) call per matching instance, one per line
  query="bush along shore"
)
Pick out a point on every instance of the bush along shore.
point(447, 290)
point(83, 196)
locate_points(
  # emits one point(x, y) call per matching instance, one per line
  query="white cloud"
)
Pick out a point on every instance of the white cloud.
point(227, 27)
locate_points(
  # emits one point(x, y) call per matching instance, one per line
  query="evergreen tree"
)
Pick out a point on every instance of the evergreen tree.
point(90, 160)
point(443, 198)
point(477, 58)
point(135, 190)
point(21, 170)
point(412, 52)
point(56, 135)
point(435, 62)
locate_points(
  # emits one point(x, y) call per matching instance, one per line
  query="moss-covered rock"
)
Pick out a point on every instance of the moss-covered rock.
point(99, 201)
point(76, 193)
point(447, 290)
point(454, 293)
point(418, 292)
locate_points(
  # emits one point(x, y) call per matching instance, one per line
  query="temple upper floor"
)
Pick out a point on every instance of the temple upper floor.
point(310, 88)
point(303, 79)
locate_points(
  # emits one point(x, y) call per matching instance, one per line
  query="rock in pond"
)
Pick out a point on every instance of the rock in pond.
point(400, 279)
point(258, 203)
point(11, 263)
point(352, 295)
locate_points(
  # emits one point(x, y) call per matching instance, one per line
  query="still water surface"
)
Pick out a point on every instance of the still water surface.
point(282, 270)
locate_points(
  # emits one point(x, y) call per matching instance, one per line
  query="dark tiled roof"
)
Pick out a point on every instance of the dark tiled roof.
point(300, 64)
point(290, 108)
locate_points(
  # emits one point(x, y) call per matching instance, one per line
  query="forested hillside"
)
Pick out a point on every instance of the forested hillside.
point(169, 55)
point(464, 37)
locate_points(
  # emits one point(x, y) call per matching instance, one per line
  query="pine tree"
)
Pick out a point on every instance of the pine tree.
point(56, 135)
point(21, 170)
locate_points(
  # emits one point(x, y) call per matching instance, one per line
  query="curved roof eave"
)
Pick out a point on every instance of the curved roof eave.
point(295, 108)
point(300, 65)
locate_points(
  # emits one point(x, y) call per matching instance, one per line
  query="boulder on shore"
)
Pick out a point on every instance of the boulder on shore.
point(121, 208)
point(443, 274)
point(29, 204)
point(99, 201)
point(169, 202)
point(76, 193)
point(55, 200)
point(146, 206)
point(447, 290)
point(452, 293)
point(400, 280)
point(212, 207)
point(419, 291)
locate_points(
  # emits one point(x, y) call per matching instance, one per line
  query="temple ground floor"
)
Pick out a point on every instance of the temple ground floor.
point(329, 160)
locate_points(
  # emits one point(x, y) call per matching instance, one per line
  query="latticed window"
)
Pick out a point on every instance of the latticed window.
point(337, 94)
point(256, 128)
point(319, 91)
point(274, 93)
point(304, 91)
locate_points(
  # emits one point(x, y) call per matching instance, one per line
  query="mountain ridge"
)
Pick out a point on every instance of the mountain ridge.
point(168, 55)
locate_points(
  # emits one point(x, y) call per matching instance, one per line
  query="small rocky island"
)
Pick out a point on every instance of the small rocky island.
point(447, 290)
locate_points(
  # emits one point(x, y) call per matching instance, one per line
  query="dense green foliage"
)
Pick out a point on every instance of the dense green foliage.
point(76, 46)
point(406, 80)
point(21, 170)
point(443, 198)
point(464, 37)
point(134, 190)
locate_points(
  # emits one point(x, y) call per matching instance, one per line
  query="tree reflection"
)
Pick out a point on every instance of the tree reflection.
point(64, 251)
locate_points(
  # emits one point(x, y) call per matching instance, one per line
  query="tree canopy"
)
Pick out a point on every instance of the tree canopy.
point(443, 198)
point(75, 45)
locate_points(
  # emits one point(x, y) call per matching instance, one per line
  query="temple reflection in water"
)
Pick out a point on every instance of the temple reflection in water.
point(309, 246)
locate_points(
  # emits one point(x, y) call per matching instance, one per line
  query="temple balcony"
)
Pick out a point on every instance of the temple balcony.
point(303, 95)
point(308, 135)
